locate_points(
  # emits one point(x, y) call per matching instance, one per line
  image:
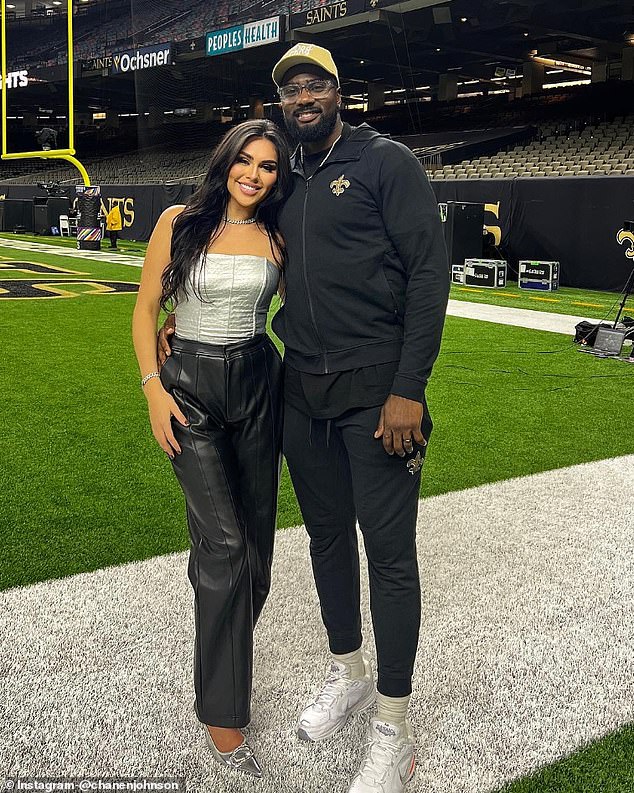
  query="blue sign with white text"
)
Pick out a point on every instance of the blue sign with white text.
point(228, 40)
point(251, 34)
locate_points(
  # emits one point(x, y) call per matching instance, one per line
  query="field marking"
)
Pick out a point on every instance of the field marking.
point(54, 250)
point(519, 317)
point(54, 290)
point(8, 266)
point(526, 318)
point(588, 305)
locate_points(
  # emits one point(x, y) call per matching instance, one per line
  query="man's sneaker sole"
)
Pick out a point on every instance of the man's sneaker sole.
point(364, 704)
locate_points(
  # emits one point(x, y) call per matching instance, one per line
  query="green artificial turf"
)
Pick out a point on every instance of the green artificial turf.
point(604, 767)
point(85, 485)
point(577, 302)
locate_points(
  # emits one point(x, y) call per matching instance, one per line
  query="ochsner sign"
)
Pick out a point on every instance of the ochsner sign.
point(143, 58)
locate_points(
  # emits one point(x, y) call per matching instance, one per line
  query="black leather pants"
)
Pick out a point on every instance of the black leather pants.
point(229, 472)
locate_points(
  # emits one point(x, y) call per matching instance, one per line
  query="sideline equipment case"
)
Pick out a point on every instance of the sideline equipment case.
point(543, 276)
point(488, 273)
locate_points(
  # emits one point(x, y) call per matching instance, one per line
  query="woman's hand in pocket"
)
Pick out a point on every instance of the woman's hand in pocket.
point(162, 406)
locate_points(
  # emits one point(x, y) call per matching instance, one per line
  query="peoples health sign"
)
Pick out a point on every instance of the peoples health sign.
point(241, 37)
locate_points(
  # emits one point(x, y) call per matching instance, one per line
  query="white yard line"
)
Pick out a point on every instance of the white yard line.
point(56, 250)
point(520, 317)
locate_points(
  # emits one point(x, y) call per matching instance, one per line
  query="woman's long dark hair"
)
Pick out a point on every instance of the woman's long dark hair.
point(203, 218)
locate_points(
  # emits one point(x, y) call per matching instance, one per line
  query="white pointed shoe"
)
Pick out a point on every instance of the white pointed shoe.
point(389, 761)
point(339, 698)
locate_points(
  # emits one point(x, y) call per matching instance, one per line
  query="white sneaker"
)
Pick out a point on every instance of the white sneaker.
point(338, 699)
point(389, 761)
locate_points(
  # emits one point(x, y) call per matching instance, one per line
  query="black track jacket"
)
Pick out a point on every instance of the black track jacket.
point(367, 279)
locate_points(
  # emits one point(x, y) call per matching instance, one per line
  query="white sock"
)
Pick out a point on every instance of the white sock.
point(354, 662)
point(391, 709)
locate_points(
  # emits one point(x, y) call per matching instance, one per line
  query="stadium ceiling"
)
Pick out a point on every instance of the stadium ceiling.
point(39, 7)
point(471, 37)
point(406, 45)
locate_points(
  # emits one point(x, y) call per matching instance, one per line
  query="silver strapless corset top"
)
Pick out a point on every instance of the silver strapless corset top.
point(236, 292)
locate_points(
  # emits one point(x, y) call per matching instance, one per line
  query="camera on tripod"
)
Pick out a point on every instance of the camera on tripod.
point(607, 341)
point(50, 188)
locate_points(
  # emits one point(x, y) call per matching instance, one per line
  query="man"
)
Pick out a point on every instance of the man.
point(366, 293)
point(367, 283)
point(114, 224)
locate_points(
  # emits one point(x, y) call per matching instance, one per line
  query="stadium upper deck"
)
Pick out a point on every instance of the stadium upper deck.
point(394, 57)
point(102, 28)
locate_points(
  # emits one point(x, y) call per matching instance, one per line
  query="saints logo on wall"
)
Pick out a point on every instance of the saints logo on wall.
point(34, 288)
point(625, 236)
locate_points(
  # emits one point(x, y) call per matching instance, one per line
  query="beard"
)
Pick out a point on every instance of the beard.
point(319, 130)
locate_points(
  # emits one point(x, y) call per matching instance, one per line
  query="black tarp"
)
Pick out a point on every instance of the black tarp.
point(574, 221)
point(140, 205)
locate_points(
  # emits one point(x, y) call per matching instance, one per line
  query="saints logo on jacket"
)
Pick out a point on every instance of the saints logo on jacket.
point(339, 185)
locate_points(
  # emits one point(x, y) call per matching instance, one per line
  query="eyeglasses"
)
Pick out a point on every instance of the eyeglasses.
point(318, 89)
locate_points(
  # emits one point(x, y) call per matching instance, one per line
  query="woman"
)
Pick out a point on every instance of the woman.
point(215, 407)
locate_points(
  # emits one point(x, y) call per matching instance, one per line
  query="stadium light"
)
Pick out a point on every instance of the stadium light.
point(567, 65)
point(568, 84)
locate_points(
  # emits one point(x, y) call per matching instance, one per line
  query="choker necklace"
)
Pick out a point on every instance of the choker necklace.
point(240, 222)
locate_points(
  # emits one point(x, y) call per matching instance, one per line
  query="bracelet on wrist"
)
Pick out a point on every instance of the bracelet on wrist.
point(149, 377)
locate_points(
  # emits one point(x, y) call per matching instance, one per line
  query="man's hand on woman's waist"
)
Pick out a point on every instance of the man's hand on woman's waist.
point(163, 344)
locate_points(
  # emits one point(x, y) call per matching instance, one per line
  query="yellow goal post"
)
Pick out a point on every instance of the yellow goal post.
point(53, 154)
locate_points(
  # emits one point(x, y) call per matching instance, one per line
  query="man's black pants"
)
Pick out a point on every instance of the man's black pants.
point(342, 474)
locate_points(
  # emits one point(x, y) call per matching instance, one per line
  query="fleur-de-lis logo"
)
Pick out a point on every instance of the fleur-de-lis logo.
point(339, 185)
point(374, 3)
point(624, 236)
point(415, 464)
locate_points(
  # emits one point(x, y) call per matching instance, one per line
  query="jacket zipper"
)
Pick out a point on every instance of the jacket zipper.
point(310, 302)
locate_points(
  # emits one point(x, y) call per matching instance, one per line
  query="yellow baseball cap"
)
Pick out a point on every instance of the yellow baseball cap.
point(305, 53)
